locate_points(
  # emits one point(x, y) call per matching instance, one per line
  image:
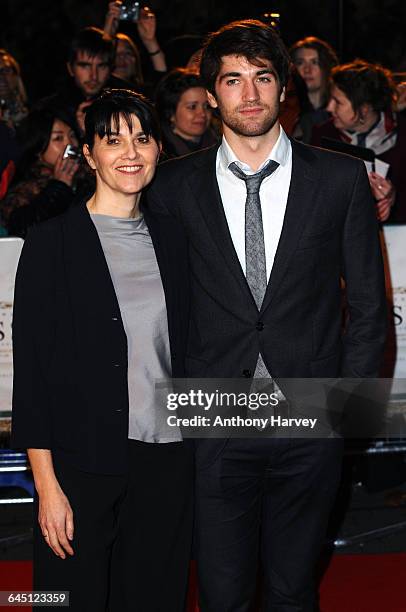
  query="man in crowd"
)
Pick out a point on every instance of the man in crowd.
point(90, 64)
point(272, 225)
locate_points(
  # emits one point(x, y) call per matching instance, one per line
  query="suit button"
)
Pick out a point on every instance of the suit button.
point(246, 373)
point(259, 326)
point(116, 365)
point(114, 318)
point(119, 410)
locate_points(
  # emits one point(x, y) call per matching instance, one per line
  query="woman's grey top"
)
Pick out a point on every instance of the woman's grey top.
point(133, 267)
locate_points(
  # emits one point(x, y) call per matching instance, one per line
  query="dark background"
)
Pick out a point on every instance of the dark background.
point(37, 32)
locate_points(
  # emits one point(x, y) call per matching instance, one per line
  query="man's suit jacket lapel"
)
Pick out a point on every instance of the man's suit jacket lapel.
point(301, 198)
point(204, 187)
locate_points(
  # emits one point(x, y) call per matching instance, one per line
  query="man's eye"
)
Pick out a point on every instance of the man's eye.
point(232, 81)
point(264, 79)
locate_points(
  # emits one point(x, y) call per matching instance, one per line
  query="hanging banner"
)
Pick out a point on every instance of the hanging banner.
point(395, 274)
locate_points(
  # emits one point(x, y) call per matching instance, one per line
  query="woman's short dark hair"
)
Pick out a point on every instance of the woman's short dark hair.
point(170, 89)
point(327, 56)
point(103, 116)
point(365, 83)
point(249, 38)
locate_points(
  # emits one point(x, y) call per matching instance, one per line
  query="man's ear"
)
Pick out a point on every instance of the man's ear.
point(69, 68)
point(282, 96)
point(212, 100)
point(88, 156)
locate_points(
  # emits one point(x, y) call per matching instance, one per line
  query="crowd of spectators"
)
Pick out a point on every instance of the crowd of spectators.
point(358, 105)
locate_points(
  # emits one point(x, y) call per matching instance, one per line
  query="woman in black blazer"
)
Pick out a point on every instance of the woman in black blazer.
point(100, 313)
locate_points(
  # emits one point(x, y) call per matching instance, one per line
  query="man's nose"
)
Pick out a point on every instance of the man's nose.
point(251, 91)
point(94, 73)
point(330, 106)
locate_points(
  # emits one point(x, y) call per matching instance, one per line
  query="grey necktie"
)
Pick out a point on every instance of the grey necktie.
point(254, 241)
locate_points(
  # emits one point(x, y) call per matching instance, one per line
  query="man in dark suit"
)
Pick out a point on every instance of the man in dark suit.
point(272, 227)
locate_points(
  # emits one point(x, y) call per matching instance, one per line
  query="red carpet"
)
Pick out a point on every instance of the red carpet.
point(352, 583)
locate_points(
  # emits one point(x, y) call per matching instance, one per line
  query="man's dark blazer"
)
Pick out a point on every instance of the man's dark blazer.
point(329, 231)
point(70, 349)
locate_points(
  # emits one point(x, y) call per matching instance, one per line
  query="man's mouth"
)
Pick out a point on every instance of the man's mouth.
point(129, 169)
point(251, 110)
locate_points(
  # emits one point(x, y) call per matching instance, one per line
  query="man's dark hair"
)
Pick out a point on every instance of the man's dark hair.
point(249, 38)
point(365, 83)
point(170, 89)
point(94, 42)
point(103, 116)
point(327, 56)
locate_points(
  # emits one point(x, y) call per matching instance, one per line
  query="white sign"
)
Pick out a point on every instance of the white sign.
point(395, 272)
point(10, 249)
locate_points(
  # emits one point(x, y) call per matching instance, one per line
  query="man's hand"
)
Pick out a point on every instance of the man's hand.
point(65, 169)
point(80, 115)
point(55, 518)
point(112, 19)
point(384, 194)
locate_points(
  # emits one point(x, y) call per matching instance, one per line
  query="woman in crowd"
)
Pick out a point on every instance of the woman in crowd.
point(100, 313)
point(13, 99)
point(47, 179)
point(313, 59)
point(185, 114)
point(127, 62)
point(362, 96)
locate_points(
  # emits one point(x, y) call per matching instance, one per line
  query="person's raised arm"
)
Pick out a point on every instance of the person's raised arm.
point(146, 26)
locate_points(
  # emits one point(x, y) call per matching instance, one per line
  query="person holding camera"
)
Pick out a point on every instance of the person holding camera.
point(128, 57)
point(48, 174)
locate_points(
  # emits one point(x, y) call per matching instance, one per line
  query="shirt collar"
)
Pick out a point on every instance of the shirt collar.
point(280, 153)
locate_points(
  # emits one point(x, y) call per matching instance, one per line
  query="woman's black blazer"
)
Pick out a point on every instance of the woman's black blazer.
point(70, 350)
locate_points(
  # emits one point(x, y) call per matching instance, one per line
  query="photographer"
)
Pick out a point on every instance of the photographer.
point(128, 58)
point(47, 177)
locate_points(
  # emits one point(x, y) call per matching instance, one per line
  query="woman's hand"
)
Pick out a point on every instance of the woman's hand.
point(65, 169)
point(55, 518)
point(146, 26)
point(384, 194)
point(112, 18)
point(55, 515)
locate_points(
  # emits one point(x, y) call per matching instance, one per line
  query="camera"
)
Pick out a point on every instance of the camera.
point(72, 152)
point(130, 11)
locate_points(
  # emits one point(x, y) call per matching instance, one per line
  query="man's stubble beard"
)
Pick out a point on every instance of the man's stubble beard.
point(250, 127)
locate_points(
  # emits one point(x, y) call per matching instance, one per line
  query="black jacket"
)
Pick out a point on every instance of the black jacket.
point(70, 349)
point(329, 231)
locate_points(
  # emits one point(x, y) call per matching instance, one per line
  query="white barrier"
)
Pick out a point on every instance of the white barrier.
point(10, 249)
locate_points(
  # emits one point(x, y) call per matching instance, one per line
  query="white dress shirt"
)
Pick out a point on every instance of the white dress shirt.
point(273, 194)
